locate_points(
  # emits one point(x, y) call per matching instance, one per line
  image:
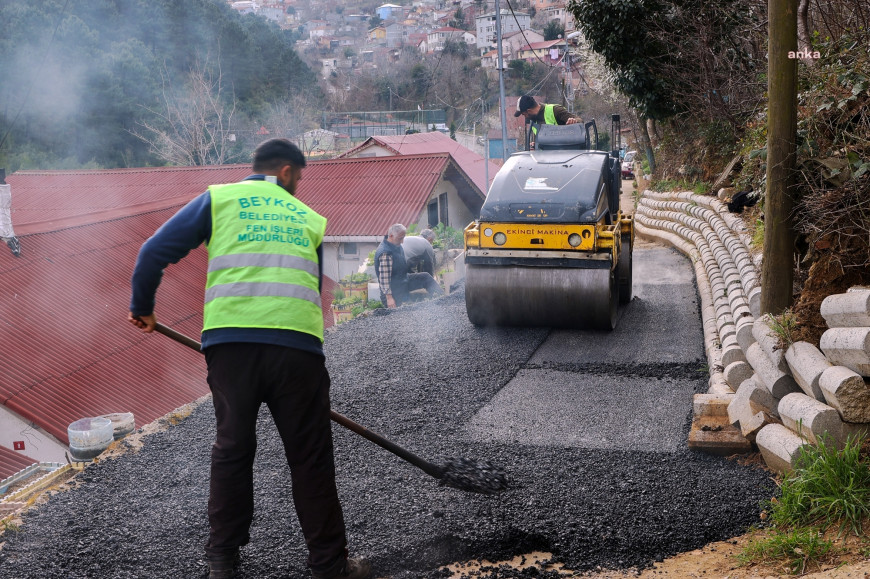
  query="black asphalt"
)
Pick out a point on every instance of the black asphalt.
point(427, 379)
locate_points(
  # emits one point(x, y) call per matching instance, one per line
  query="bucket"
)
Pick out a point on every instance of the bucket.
point(88, 437)
point(122, 424)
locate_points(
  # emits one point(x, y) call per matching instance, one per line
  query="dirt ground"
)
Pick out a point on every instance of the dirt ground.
point(713, 561)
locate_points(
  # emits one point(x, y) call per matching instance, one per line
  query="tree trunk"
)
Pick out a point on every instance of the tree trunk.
point(803, 24)
point(647, 144)
point(777, 271)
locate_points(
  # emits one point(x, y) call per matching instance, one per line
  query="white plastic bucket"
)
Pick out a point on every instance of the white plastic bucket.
point(88, 437)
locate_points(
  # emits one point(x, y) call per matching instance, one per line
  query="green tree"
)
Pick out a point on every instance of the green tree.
point(458, 20)
point(553, 30)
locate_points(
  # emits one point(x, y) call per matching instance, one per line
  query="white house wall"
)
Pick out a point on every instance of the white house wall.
point(336, 266)
point(38, 444)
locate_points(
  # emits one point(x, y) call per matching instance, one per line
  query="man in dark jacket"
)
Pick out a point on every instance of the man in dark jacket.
point(419, 252)
point(396, 284)
point(263, 343)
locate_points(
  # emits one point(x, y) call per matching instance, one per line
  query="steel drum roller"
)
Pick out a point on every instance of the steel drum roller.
point(541, 296)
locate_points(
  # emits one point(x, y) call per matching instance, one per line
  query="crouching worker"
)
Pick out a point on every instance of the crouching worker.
point(263, 343)
point(396, 284)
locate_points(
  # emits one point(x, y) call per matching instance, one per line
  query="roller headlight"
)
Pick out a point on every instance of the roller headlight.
point(500, 238)
point(574, 240)
point(487, 232)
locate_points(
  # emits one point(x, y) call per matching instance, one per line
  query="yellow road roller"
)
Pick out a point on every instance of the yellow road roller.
point(551, 247)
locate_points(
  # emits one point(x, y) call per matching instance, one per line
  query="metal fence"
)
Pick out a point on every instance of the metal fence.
point(362, 125)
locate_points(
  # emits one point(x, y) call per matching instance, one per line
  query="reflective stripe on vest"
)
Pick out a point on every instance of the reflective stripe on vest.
point(263, 270)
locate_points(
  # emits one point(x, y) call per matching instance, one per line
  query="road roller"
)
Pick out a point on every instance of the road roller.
point(551, 246)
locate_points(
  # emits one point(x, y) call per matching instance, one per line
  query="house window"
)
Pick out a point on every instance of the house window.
point(442, 207)
point(432, 210)
point(349, 249)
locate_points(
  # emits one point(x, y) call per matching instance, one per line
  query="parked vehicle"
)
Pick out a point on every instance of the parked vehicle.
point(628, 165)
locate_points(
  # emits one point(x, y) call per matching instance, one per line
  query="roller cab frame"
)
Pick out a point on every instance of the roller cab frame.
point(551, 246)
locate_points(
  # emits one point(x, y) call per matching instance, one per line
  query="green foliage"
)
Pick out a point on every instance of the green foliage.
point(78, 94)
point(827, 487)
point(758, 234)
point(629, 50)
point(356, 278)
point(337, 294)
point(458, 20)
point(784, 326)
point(799, 548)
point(348, 302)
point(553, 30)
point(448, 237)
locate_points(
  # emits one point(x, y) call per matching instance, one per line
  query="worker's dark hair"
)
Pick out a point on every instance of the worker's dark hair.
point(273, 154)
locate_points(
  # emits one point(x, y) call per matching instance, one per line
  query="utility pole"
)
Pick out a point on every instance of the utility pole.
point(500, 81)
point(777, 268)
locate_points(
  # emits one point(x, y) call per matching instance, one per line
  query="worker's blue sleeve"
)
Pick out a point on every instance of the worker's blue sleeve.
point(184, 231)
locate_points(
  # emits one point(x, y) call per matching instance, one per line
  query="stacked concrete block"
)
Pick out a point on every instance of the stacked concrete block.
point(780, 447)
point(813, 420)
point(813, 391)
point(848, 392)
point(738, 372)
point(807, 364)
point(777, 382)
point(848, 310)
point(849, 347)
point(847, 342)
point(752, 408)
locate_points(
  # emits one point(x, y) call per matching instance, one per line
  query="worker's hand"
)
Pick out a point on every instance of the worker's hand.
point(391, 303)
point(144, 323)
point(572, 121)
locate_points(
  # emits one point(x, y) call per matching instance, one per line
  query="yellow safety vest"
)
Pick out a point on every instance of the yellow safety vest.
point(549, 117)
point(262, 260)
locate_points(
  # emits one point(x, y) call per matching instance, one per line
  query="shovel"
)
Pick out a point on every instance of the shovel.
point(460, 473)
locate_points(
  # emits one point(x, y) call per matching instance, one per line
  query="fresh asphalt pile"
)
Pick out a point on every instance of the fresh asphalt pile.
point(416, 375)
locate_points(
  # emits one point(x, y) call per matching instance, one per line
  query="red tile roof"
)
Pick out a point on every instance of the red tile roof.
point(12, 462)
point(51, 200)
point(366, 196)
point(68, 351)
point(434, 142)
point(358, 196)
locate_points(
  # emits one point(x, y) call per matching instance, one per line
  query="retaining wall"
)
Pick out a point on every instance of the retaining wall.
point(779, 400)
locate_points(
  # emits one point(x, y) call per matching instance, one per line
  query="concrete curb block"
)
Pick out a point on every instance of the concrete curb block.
point(811, 419)
point(848, 310)
point(807, 364)
point(779, 446)
point(849, 347)
point(848, 392)
point(738, 342)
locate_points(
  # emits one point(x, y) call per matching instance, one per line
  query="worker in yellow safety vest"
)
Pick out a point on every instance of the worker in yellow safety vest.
point(263, 343)
point(546, 114)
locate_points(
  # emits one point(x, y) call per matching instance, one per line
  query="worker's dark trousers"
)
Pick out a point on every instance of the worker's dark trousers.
point(295, 386)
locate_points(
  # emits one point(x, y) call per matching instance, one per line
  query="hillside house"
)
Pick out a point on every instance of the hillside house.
point(433, 142)
point(510, 22)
